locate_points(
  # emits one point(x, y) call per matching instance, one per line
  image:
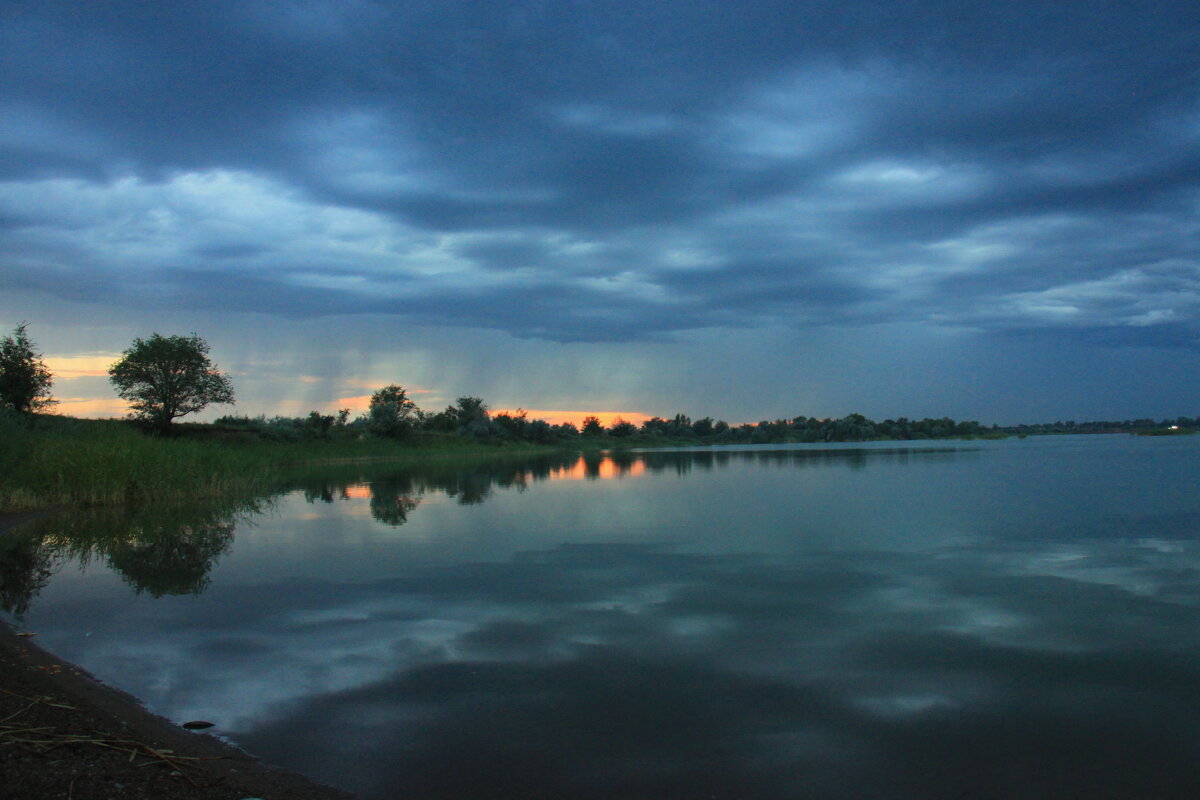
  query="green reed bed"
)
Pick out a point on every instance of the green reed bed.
point(59, 463)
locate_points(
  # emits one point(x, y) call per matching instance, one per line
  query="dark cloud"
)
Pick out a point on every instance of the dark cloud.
point(851, 149)
point(223, 252)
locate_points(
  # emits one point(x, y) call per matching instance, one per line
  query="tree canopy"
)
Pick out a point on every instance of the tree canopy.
point(25, 379)
point(391, 413)
point(165, 377)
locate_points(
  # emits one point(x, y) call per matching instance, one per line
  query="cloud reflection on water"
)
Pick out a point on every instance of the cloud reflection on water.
point(607, 672)
point(1049, 656)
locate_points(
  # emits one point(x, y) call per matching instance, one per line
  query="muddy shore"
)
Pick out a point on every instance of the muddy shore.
point(64, 734)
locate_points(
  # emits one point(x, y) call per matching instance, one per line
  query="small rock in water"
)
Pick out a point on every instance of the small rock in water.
point(197, 724)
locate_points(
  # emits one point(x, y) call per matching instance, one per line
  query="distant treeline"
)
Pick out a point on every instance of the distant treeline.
point(1104, 426)
point(470, 417)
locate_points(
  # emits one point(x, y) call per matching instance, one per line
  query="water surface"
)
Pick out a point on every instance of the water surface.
point(967, 620)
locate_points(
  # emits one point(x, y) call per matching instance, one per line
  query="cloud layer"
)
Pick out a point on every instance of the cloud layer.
point(611, 172)
point(589, 173)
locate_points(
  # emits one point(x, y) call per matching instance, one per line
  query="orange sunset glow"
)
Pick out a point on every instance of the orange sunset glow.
point(361, 402)
point(557, 417)
point(94, 407)
point(607, 468)
point(357, 403)
point(86, 365)
point(583, 468)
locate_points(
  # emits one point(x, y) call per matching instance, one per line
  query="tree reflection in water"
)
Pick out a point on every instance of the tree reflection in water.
point(161, 551)
point(172, 561)
point(394, 492)
point(25, 569)
point(172, 551)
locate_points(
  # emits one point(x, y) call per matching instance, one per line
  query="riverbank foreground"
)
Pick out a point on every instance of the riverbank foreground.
point(62, 733)
point(65, 735)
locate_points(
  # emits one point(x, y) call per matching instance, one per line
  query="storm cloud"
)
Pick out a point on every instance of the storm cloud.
point(611, 173)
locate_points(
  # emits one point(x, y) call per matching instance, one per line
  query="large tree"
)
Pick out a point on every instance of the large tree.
point(24, 378)
point(166, 377)
point(391, 413)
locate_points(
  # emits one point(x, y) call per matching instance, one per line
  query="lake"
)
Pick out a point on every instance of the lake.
point(987, 619)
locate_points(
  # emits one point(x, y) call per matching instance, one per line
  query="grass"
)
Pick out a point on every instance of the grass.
point(91, 463)
point(62, 461)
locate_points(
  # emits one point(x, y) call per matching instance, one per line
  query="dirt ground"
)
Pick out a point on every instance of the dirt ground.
point(65, 735)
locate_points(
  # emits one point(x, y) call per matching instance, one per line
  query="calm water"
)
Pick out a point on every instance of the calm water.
point(1015, 619)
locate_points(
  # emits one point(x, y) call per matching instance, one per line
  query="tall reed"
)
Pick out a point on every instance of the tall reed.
point(104, 463)
point(61, 461)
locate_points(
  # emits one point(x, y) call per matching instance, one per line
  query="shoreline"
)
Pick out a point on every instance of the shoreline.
point(64, 733)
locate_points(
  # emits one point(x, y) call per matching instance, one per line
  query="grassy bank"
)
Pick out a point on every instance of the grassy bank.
point(62, 461)
point(86, 462)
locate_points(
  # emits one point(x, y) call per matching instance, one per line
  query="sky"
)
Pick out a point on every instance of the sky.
point(745, 211)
